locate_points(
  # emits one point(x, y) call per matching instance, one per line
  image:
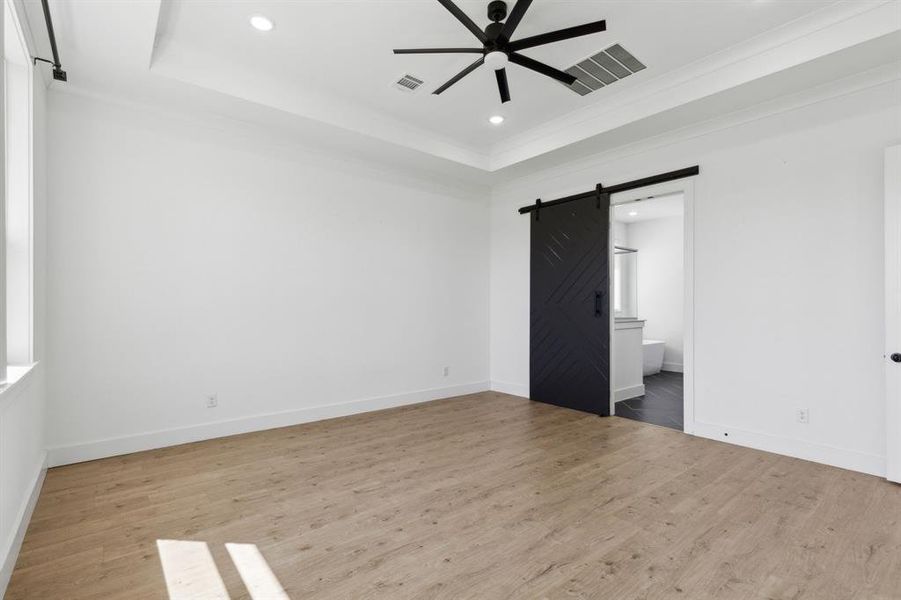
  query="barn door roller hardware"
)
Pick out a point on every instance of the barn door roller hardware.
point(600, 190)
point(58, 72)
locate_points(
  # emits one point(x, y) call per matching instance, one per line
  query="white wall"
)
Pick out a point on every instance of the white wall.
point(788, 270)
point(189, 258)
point(22, 463)
point(620, 233)
point(660, 283)
point(22, 407)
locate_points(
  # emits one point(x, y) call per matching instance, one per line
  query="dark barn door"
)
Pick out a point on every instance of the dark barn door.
point(569, 358)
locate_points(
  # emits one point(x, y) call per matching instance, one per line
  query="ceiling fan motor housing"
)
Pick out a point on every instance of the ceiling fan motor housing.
point(497, 10)
point(493, 33)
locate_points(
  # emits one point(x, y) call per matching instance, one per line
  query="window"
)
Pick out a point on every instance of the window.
point(17, 125)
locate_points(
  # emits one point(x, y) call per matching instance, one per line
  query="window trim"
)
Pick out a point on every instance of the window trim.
point(18, 295)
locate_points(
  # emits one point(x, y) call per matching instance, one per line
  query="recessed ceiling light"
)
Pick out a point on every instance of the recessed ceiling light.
point(261, 23)
point(633, 213)
point(496, 120)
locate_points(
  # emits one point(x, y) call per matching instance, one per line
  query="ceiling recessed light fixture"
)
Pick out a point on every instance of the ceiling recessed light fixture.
point(261, 23)
point(496, 120)
point(633, 213)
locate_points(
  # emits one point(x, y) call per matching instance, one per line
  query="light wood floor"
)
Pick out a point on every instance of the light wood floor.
point(486, 496)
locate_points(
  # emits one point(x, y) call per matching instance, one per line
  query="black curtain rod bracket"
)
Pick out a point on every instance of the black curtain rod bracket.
point(620, 187)
point(58, 73)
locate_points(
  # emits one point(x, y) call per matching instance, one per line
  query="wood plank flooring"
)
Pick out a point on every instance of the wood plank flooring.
point(484, 496)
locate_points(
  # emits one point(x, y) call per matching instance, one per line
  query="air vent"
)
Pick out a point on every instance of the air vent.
point(603, 69)
point(408, 83)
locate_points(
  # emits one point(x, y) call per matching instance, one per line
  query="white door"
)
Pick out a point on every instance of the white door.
point(893, 311)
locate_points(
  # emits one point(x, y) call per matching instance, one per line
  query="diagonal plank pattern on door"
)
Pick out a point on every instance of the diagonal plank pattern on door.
point(569, 327)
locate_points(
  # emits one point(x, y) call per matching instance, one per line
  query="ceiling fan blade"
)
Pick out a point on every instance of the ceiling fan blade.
point(460, 75)
point(515, 17)
point(540, 67)
point(463, 18)
point(439, 50)
point(502, 86)
point(558, 36)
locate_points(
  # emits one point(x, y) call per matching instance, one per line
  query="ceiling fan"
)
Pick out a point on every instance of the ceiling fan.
point(497, 47)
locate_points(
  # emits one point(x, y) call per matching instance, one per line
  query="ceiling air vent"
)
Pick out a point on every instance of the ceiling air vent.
point(408, 83)
point(603, 69)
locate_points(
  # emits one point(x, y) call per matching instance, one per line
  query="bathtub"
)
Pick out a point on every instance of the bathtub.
point(652, 356)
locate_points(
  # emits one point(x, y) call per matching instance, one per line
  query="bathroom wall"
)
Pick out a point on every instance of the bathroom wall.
point(620, 233)
point(660, 283)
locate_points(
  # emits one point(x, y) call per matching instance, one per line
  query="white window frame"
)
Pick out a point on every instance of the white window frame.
point(17, 261)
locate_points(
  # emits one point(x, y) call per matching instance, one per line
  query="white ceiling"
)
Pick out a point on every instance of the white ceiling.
point(343, 50)
point(330, 63)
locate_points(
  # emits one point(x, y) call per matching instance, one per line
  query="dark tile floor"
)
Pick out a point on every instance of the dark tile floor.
point(661, 403)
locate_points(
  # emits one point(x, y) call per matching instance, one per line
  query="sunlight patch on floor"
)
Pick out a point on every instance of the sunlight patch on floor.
point(190, 571)
point(259, 579)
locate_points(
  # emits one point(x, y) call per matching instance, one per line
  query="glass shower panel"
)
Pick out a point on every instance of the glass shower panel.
point(625, 283)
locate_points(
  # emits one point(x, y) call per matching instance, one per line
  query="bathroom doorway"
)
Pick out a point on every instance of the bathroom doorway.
point(651, 306)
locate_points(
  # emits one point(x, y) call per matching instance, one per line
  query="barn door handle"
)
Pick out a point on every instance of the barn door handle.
point(598, 305)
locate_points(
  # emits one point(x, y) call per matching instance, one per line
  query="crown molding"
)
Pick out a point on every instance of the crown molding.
point(882, 83)
point(181, 63)
point(267, 130)
point(833, 29)
point(826, 43)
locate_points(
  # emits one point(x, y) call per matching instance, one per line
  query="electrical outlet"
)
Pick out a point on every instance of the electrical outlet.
point(803, 416)
point(446, 371)
point(212, 401)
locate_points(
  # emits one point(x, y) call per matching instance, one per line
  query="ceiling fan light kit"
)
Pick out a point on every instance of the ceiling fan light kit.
point(496, 60)
point(498, 48)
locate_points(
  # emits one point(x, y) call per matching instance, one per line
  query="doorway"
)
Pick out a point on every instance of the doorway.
point(892, 356)
point(657, 399)
point(648, 309)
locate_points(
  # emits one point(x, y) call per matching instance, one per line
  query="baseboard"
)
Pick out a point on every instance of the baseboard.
point(24, 518)
point(672, 367)
point(65, 455)
point(852, 460)
point(628, 393)
point(514, 389)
